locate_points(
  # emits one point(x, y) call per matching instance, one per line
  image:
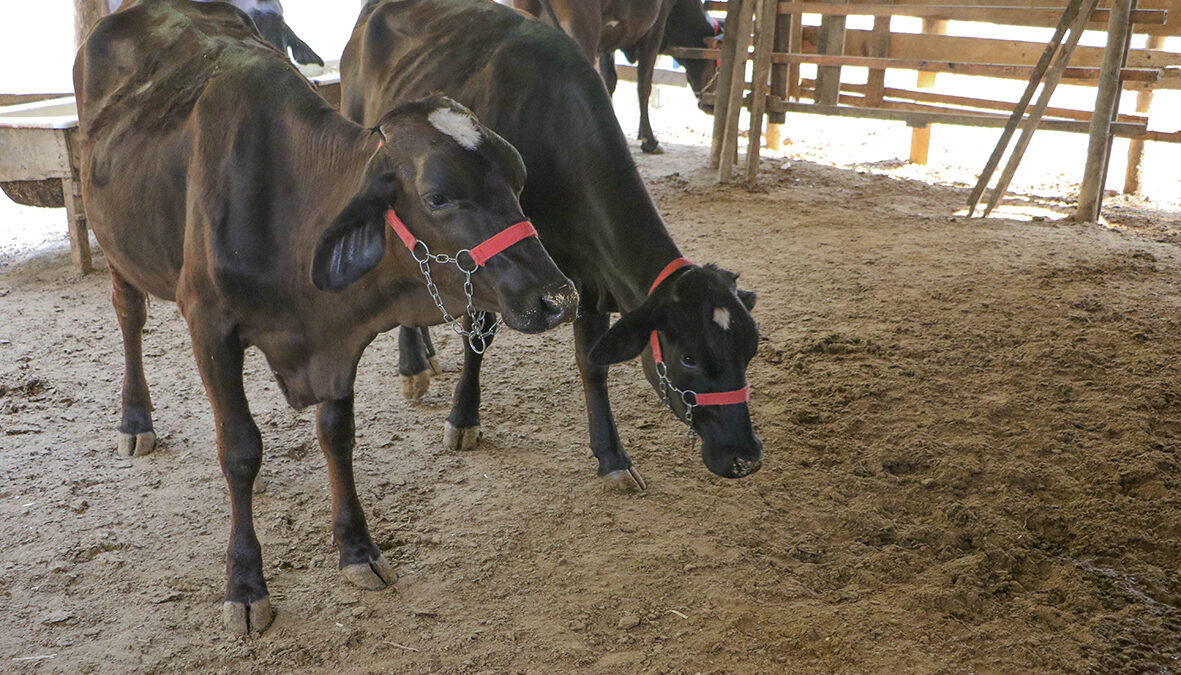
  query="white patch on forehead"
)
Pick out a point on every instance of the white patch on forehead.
point(460, 126)
point(722, 317)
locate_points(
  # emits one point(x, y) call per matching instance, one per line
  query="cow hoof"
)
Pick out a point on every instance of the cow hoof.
point(136, 445)
point(371, 576)
point(416, 386)
point(436, 369)
point(246, 619)
point(455, 438)
point(626, 480)
point(260, 486)
point(652, 147)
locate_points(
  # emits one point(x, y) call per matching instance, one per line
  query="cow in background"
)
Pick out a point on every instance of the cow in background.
point(530, 84)
point(215, 176)
point(267, 16)
point(642, 29)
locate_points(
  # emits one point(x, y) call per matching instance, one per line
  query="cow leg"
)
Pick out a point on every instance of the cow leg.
point(416, 361)
point(247, 607)
point(645, 65)
point(136, 435)
point(614, 464)
point(461, 431)
point(361, 561)
point(607, 71)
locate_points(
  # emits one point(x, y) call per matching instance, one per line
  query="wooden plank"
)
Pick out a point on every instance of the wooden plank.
point(961, 119)
point(672, 78)
point(1006, 70)
point(1018, 16)
point(830, 42)
point(33, 154)
point(980, 103)
point(1090, 197)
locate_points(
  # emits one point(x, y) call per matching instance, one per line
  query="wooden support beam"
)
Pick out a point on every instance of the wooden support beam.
point(740, 32)
point(880, 46)
point(920, 136)
point(764, 43)
point(779, 77)
point(831, 42)
point(726, 55)
point(1099, 144)
point(75, 213)
point(1077, 16)
point(1136, 146)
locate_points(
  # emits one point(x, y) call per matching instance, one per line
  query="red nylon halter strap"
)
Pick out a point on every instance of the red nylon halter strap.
point(717, 398)
point(482, 252)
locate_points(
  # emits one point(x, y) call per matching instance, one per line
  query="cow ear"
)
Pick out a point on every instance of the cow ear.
point(747, 298)
point(300, 51)
point(625, 340)
point(355, 242)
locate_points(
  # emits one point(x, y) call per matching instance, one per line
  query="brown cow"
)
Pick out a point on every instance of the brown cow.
point(216, 177)
point(642, 29)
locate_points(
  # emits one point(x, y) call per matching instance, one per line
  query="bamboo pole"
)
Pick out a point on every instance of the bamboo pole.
point(1098, 146)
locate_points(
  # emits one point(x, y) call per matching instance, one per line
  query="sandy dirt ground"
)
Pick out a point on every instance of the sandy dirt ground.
point(972, 432)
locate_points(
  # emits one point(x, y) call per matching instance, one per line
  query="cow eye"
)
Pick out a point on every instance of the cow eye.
point(437, 201)
point(688, 361)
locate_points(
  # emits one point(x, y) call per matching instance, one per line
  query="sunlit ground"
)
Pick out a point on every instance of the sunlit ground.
point(36, 44)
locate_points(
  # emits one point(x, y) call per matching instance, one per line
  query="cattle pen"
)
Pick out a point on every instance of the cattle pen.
point(971, 432)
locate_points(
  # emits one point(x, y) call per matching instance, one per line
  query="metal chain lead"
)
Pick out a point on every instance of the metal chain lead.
point(666, 386)
point(479, 335)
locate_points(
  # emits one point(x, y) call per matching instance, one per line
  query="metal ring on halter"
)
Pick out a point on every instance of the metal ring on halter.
point(426, 256)
point(459, 263)
point(685, 394)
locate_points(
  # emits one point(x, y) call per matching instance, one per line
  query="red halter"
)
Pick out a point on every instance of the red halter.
point(718, 398)
point(482, 252)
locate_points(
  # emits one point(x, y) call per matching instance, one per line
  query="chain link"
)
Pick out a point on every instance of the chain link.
point(480, 334)
point(666, 386)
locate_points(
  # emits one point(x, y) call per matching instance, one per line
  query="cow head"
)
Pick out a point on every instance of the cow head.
point(707, 337)
point(689, 25)
point(453, 183)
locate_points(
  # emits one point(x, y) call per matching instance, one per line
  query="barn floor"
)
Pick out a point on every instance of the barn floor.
point(972, 434)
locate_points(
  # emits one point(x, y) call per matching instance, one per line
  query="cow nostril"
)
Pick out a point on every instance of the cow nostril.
point(557, 304)
point(745, 467)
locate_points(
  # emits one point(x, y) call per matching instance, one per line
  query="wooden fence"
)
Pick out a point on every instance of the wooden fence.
point(769, 35)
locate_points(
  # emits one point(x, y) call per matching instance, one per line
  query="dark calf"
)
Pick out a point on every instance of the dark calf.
point(215, 176)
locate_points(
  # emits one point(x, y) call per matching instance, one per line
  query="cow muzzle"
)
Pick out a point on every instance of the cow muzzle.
point(542, 310)
point(729, 446)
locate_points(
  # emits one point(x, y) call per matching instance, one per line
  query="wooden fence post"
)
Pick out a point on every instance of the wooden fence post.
point(831, 41)
point(86, 14)
point(920, 135)
point(779, 77)
point(1136, 145)
point(1090, 197)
